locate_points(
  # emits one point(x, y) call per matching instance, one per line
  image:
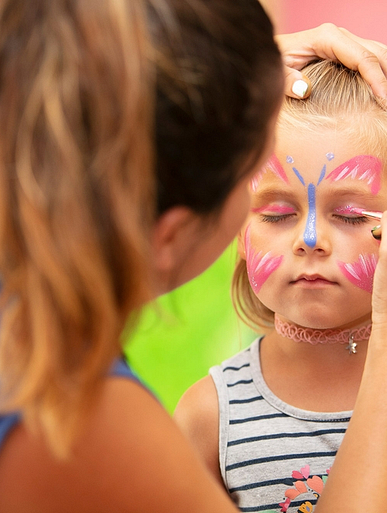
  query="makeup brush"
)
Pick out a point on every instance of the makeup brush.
point(367, 213)
point(371, 214)
point(377, 231)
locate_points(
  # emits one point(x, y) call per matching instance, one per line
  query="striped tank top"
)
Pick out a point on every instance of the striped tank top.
point(273, 457)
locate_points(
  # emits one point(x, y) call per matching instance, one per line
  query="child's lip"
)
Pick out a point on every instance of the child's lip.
point(313, 279)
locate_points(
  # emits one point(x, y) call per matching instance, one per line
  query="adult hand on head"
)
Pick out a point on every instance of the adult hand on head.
point(330, 42)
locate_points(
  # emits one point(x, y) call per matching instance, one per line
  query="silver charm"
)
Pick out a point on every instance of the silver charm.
point(351, 345)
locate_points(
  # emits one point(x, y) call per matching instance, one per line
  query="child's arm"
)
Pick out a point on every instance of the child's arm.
point(330, 42)
point(131, 458)
point(358, 479)
point(197, 416)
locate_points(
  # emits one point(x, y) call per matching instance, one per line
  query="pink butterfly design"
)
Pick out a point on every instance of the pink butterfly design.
point(259, 265)
point(361, 167)
point(273, 165)
point(361, 272)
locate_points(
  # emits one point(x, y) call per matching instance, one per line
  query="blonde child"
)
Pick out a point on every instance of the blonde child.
point(270, 420)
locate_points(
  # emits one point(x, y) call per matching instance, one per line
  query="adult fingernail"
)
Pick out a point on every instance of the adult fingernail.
point(377, 232)
point(300, 88)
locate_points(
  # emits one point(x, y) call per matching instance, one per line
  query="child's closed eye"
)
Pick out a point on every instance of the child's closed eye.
point(275, 218)
point(351, 219)
point(274, 213)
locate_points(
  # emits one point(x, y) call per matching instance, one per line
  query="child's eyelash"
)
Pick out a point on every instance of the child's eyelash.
point(352, 219)
point(280, 218)
point(275, 219)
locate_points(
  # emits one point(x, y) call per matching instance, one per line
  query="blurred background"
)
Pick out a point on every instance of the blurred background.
point(185, 332)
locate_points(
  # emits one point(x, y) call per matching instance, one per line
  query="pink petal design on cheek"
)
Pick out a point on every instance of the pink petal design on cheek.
point(259, 266)
point(362, 167)
point(361, 272)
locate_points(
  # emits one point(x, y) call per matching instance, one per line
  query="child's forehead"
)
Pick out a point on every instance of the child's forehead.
point(314, 146)
point(344, 174)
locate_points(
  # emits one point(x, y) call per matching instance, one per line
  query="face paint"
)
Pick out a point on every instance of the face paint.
point(259, 266)
point(348, 210)
point(297, 173)
point(361, 272)
point(310, 235)
point(277, 209)
point(322, 174)
point(362, 167)
point(273, 165)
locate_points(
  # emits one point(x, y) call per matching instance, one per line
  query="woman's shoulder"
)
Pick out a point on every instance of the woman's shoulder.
point(128, 458)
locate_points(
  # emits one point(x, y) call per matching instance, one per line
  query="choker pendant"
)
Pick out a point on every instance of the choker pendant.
point(351, 345)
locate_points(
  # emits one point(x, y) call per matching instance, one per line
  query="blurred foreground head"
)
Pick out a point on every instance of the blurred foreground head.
point(96, 98)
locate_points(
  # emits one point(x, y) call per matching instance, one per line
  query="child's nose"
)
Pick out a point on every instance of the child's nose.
point(312, 236)
point(312, 239)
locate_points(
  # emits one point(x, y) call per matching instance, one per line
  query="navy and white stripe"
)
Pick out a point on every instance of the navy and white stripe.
point(262, 440)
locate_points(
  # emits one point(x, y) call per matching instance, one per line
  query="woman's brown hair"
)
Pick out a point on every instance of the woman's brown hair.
point(94, 96)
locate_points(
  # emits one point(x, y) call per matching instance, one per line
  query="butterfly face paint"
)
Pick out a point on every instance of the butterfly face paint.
point(325, 275)
point(361, 272)
point(276, 209)
point(259, 266)
point(361, 167)
point(310, 234)
point(273, 165)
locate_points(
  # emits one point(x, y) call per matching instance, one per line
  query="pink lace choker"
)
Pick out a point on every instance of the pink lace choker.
point(327, 336)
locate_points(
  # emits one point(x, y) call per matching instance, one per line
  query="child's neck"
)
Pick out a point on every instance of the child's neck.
point(321, 377)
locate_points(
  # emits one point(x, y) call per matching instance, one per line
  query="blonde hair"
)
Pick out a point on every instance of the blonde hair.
point(340, 101)
point(76, 199)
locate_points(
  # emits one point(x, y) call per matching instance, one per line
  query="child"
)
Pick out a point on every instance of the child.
point(270, 420)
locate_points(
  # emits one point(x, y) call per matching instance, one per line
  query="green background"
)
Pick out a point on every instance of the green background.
point(182, 334)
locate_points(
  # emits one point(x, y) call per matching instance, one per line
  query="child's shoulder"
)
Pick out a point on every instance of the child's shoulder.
point(197, 416)
point(240, 360)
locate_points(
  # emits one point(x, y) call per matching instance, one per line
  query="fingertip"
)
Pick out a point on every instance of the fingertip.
point(377, 232)
point(302, 87)
point(297, 85)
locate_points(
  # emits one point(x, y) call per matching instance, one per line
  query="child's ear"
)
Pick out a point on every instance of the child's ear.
point(241, 244)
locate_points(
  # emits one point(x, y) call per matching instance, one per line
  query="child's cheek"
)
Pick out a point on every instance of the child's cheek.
point(259, 268)
point(259, 265)
point(361, 272)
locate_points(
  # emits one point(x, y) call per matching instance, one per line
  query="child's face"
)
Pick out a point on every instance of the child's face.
point(308, 257)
